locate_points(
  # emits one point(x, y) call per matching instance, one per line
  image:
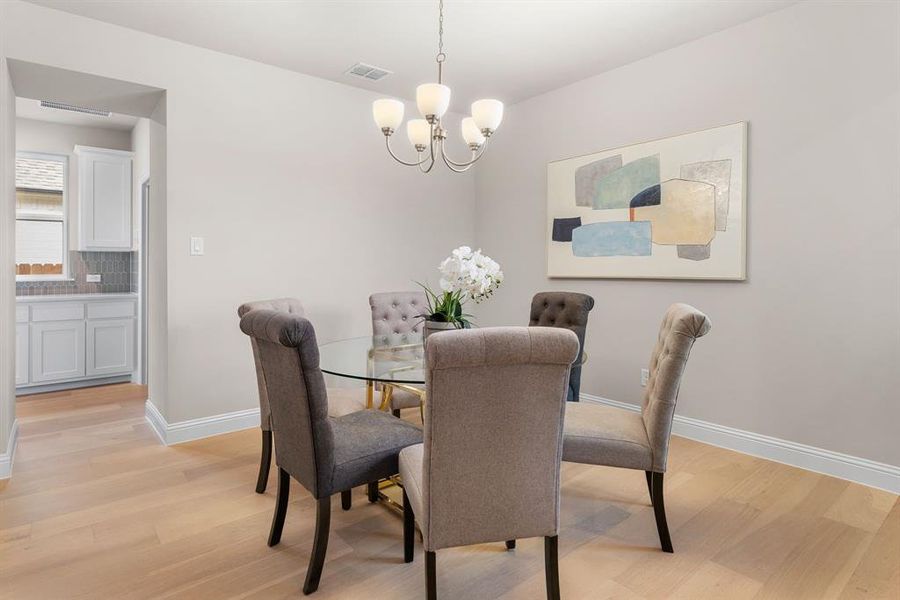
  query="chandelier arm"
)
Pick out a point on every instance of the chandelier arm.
point(387, 143)
point(450, 165)
point(475, 156)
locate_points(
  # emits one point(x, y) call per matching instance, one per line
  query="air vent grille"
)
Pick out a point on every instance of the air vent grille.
point(78, 109)
point(370, 72)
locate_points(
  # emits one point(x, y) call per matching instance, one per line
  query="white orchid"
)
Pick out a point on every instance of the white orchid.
point(465, 275)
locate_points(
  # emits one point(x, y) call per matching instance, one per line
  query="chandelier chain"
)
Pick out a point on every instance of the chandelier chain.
point(440, 55)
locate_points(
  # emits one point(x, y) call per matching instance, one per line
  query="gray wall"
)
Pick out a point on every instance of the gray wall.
point(808, 348)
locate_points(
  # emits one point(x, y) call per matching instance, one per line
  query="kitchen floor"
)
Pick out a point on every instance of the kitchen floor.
point(98, 508)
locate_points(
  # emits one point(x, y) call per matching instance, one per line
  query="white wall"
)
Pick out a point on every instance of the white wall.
point(284, 175)
point(56, 138)
point(807, 348)
point(7, 251)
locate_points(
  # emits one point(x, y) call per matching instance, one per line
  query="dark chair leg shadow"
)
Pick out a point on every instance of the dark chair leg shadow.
point(347, 499)
point(265, 460)
point(551, 566)
point(649, 475)
point(372, 491)
point(430, 576)
point(409, 530)
point(659, 511)
point(396, 412)
point(281, 504)
point(510, 544)
point(320, 545)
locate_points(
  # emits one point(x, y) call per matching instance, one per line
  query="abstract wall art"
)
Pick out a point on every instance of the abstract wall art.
point(673, 208)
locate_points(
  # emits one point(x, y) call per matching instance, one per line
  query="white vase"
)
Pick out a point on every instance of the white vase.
point(434, 327)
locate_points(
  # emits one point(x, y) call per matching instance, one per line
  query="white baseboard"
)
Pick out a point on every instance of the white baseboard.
point(852, 468)
point(195, 429)
point(7, 458)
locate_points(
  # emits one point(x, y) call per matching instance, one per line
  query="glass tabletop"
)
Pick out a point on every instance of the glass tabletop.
point(385, 358)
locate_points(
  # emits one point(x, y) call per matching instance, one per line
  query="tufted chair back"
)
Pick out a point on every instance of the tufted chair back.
point(396, 313)
point(569, 310)
point(289, 359)
point(288, 305)
point(681, 325)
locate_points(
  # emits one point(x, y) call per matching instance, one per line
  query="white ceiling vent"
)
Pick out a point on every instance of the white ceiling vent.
point(370, 72)
point(78, 109)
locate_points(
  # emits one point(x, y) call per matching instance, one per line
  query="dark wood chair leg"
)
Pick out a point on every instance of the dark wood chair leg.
point(281, 504)
point(649, 475)
point(510, 544)
point(320, 545)
point(347, 499)
point(551, 566)
point(409, 530)
point(430, 576)
point(265, 460)
point(659, 510)
point(372, 491)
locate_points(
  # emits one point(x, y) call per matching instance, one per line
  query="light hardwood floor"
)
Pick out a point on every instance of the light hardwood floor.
point(97, 508)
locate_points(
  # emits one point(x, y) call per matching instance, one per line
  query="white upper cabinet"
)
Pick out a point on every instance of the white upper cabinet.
point(104, 199)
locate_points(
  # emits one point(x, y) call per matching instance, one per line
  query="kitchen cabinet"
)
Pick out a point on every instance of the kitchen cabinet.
point(74, 339)
point(57, 351)
point(104, 199)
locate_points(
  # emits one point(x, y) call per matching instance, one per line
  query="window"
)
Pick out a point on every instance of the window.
point(41, 247)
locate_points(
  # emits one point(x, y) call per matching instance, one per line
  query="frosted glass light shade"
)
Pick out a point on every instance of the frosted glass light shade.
point(487, 114)
point(388, 113)
point(471, 133)
point(419, 132)
point(433, 99)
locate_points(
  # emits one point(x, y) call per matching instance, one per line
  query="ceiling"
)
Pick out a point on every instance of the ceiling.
point(505, 49)
point(32, 109)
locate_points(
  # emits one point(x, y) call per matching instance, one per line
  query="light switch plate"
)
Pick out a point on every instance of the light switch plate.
point(645, 375)
point(92, 278)
point(196, 246)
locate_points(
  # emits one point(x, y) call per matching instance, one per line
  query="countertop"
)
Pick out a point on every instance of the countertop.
point(76, 297)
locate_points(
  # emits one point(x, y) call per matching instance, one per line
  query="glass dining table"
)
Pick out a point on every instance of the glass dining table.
point(398, 360)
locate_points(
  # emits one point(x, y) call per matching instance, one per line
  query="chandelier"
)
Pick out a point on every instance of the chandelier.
point(427, 135)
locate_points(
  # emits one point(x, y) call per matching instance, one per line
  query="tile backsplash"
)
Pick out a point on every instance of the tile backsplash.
point(117, 270)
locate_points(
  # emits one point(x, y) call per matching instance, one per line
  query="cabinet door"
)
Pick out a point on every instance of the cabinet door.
point(110, 346)
point(21, 353)
point(104, 201)
point(57, 351)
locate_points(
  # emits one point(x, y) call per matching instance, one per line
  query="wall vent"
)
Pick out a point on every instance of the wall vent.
point(370, 72)
point(78, 109)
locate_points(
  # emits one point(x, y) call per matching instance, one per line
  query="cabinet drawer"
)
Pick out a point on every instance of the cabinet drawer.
point(21, 313)
point(57, 311)
point(110, 310)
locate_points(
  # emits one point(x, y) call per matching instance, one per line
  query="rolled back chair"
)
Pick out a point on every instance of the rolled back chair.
point(488, 470)
point(603, 435)
point(325, 454)
point(286, 305)
point(395, 315)
point(569, 310)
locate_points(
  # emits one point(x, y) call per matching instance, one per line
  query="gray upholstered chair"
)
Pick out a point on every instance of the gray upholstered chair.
point(291, 306)
point(488, 470)
point(395, 314)
point(569, 310)
point(602, 435)
point(325, 454)
point(341, 402)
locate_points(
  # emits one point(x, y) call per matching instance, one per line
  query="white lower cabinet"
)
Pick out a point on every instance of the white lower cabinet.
point(57, 351)
point(72, 339)
point(110, 346)
point(21, 353)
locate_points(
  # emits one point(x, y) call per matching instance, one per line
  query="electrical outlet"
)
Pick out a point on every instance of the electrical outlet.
point(196, 246)
point(645, 375)
point(92, 278)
